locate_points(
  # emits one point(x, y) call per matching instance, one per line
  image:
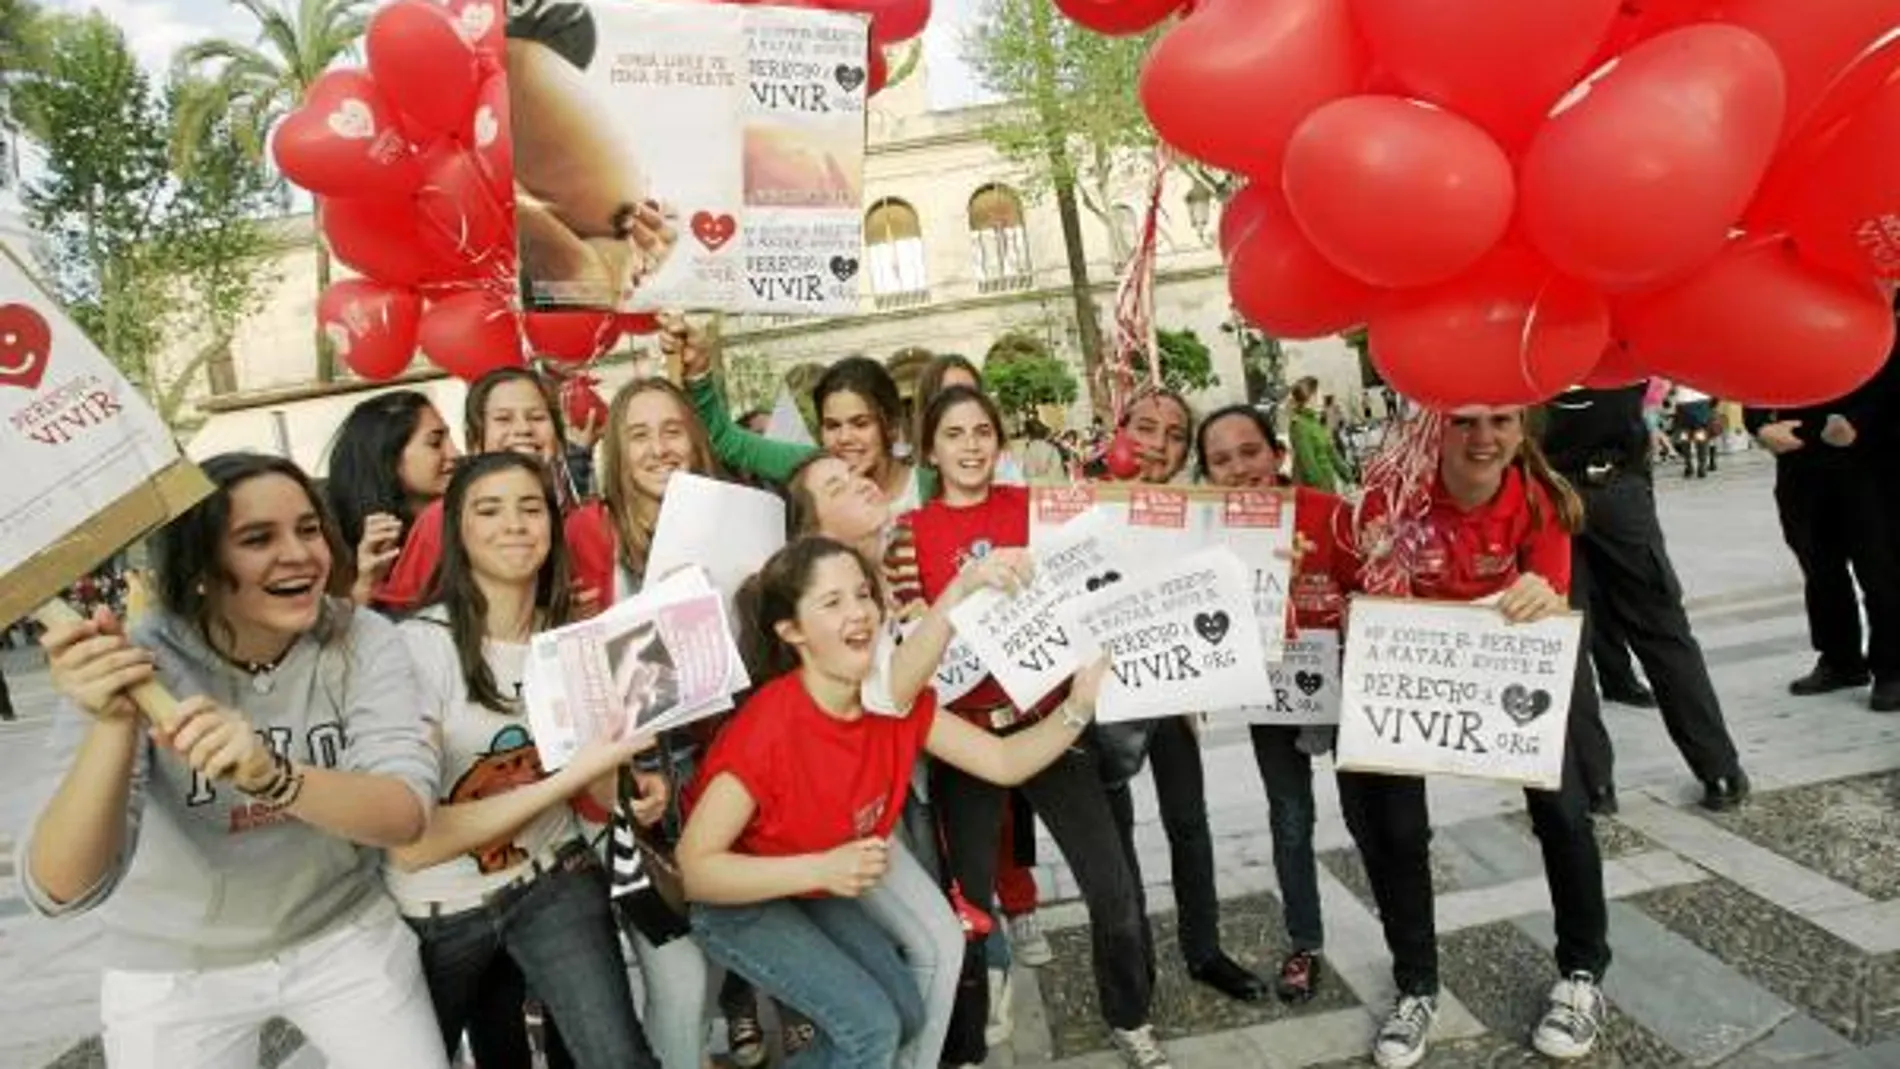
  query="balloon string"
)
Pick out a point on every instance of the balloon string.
point(1134, 302)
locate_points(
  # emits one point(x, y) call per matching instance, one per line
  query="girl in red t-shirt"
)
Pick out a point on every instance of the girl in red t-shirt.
point(792, 812)
point(1236, 447)
point(1462, 507)
point(971, 519)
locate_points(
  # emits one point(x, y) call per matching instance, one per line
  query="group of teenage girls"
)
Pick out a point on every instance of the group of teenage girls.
point(346, 825)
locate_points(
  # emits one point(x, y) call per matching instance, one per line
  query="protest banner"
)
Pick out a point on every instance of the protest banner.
point(90, 467)
point(698, 156)
point(660, 659)
point(1180, 637)
point(727, 529)
point(1304, 684)
point(1159, 523)
point(1023, 640)
point(1451, 687)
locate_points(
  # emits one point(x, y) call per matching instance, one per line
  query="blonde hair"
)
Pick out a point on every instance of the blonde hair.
point(632, 512)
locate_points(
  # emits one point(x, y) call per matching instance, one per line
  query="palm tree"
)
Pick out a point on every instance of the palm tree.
point(254, 86)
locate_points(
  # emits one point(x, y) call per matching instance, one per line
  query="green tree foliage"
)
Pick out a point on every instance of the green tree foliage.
point(1023, 385)
point(1187, 365)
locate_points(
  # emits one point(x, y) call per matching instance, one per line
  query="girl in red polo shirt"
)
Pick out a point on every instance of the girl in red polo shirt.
point(971, 518)
point(1236, 447)
point(791, 814)
point(1464, 507)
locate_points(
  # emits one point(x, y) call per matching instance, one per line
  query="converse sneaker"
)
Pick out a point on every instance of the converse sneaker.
point(1027, 943)
point(1140, 1049)
point(1400, 1043)
point(1001, 1025)
point(1570, 1026)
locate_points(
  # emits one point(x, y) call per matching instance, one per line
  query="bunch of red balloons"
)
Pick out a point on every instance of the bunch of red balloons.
point(411, 163)
point(1513, 197)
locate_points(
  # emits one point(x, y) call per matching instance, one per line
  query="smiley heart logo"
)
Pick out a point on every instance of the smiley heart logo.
point(848, 76)
point(1097, 582)
point(1309, 682)
point(475, 21)
point(1212, 626)
point(844, 268)
point(26, 346)
point(713, 231)
point(487, 127)
point(352, 120)
point(1523, 704)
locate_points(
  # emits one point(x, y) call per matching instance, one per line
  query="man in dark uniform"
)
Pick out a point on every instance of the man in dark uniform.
point(1622, 576)
point(1836, 490)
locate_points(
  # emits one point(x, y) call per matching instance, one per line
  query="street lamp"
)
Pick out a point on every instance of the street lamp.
point(1200, 203)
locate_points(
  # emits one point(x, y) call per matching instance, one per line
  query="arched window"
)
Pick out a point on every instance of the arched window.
point(894, 243)
point(998, 237)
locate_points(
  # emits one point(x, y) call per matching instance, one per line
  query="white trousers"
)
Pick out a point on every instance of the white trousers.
point(357, 994)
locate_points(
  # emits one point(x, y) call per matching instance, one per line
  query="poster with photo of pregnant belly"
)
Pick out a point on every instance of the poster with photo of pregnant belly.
point(689, 156)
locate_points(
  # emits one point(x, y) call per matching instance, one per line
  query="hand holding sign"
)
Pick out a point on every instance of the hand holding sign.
point(94, 665)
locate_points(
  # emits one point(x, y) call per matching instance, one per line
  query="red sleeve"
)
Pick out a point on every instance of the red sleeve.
point(1341, 555)
point(1545, 550)
point(745, 749)
point(407, 583)
point(589, 535)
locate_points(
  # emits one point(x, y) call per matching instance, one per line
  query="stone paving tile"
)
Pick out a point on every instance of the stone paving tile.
point(1614, 839)
point(279, 1041)
point(1344, 864)
point(1252, 931)
point(1496, 1052)
point(1845, 829)
point(1503, 978)
point(1855, 994)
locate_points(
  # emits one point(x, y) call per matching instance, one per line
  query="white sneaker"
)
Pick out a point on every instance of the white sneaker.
point(1400, 1043)
point(1002, 1023)
point(1027, 942)
point(1139, 1048)
point(1575, 1017)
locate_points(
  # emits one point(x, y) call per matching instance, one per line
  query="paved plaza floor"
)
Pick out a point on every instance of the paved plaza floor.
point(1765, 937)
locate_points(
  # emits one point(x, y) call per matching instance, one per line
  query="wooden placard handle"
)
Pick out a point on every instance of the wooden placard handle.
point(151, 697)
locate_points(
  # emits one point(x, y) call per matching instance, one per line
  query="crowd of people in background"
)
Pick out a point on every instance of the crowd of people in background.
point(345, 823)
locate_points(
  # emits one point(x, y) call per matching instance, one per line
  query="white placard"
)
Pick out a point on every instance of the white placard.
point(727, 529)
point(1445, 687)
point(1180, 637)
point(1025, 641)
point(1162, 523)
point(1305, 683)
point(75, 437)
point(745, 125)
point(649, 663)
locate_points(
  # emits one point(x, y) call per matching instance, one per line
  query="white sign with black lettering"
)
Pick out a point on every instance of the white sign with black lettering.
point(1305, 683)
point(1442, 687)
point(1024, 641)
point(1180, 638)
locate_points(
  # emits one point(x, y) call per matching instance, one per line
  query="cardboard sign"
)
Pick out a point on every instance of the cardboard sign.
point(89, 466)
point(1025, 641)
point(727, 529)
point(1160, 523)
point(652, 662)
point(1180, 638)
point(1305, 683)
point(1438, 687)
point(699, 156)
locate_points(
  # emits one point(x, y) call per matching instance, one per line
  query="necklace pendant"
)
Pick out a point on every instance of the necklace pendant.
point(263, 682)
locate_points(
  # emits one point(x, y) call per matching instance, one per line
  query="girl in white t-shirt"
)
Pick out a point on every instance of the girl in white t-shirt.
point(502, 869)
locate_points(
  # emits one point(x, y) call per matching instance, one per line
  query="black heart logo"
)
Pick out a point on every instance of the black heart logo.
point(1308, 682)
point(849, 77)
point(1211, 625)
point(1522, 704)
point(844, 267)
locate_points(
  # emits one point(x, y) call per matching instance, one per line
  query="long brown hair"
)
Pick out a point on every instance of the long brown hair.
point(939, 409)
point(633, 514)
point(1535, 467)
point(453, 585)
point(771, 597)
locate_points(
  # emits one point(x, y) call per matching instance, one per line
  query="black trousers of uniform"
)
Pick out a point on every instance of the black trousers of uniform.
point(1839, 517)
point(1623, 579)
point(1174, 754)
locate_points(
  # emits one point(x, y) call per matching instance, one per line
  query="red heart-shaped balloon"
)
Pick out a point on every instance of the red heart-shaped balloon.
point(471, 333)
point(344, 141)
point(426, 65)
point(26, 346)
point(371, 324)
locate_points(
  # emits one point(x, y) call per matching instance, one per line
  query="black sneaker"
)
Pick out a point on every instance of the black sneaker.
point(1725, 792)
point(1401, 1041)
point(1827, 678)
point(1885, 698)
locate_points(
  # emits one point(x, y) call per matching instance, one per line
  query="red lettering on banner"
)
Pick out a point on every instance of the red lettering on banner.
point(1252, 508)
point(1057, 505)
point(1157, 508)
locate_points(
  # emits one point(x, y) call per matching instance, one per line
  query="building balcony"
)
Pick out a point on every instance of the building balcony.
point(888, 302)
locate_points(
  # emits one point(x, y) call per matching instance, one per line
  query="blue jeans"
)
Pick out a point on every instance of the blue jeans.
point(1288, 776)
point(559, 930)
point(914, 911)
point(828, 959)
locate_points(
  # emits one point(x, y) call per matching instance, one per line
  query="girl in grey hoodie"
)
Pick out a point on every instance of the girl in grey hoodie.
point(234, 856)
